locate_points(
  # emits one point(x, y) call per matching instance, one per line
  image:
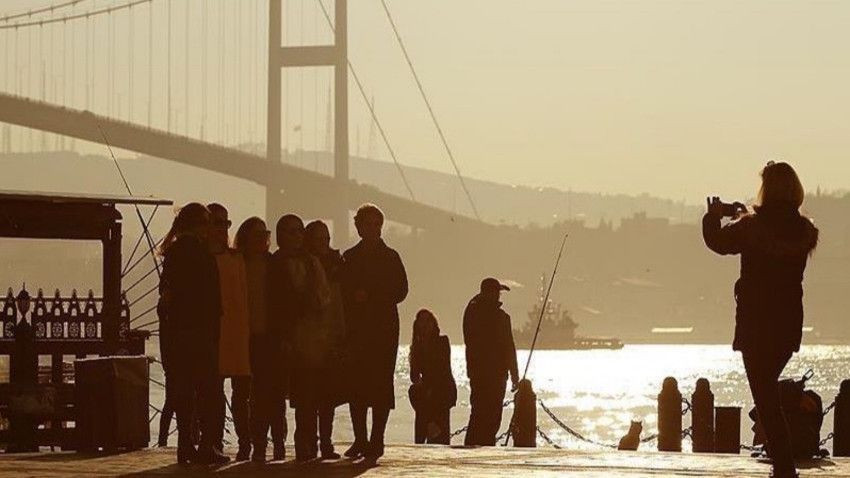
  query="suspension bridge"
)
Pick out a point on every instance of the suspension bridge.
point(183, 81)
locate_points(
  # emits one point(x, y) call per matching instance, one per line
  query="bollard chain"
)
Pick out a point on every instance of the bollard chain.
point(504, 434)
point(828, 409)
point(827, 439)
point(752, 448)
point(548, 440)
point(569, 430)
point(465, 428)
point(688, 433)
point(649, 438)
point(688, 406)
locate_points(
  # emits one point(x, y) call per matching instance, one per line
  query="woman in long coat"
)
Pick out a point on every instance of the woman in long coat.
point(374, 282)
point(191, 297)
point(333, 390)
point(774, 243)
point(299, 295)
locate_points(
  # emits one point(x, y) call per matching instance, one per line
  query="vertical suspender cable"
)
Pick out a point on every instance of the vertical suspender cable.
point(220, 70)
point(301, 93)
point(203, 68)
point(130, 64)
point(150, 62)
point(186, 78)
point(239, 126)
point(168, 67)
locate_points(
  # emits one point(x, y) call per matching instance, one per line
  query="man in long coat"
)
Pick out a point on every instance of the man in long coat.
point(374, 282)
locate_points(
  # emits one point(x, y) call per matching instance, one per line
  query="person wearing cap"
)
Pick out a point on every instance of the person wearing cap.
point(490, 359)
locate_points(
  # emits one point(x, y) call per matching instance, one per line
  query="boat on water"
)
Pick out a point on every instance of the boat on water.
point(558, 331)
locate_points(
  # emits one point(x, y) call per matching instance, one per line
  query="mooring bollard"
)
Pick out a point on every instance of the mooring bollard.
point(841, 421)
point(727, 426)
point(670, 416)
point(525, 416)
point(702, 417)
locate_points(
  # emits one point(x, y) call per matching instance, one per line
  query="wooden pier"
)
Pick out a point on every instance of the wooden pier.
point(423, 461)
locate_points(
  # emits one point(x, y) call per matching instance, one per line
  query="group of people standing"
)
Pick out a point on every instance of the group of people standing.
point(304, 323)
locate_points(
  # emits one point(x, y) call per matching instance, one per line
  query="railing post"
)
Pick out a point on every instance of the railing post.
point(841, 421)
point(670, 416)
point(702, 417)
point(524, 419)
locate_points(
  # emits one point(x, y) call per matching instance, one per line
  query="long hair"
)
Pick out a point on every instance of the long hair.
point(418, 341)
point(780, 185)
point(241, 239)
point(191, 216)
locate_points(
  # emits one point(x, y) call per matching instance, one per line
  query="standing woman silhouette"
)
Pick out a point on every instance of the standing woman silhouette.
point(774, 243)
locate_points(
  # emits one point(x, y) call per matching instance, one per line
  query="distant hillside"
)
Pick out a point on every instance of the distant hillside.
point(497, 203)
point(503, 203)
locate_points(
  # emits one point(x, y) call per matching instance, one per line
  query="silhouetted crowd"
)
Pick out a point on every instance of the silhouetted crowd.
point(312, 326)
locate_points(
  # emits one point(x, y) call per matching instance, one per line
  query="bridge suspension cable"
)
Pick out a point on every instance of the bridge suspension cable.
point(430, 108)
point(37, 11)
point(371, 109)
point(76, 16)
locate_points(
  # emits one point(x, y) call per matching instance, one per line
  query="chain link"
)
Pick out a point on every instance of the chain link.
point(465, 428)
point(504, 434)
point(752, 448)
point(569, 430)
point(828, 409)
point(827, 439)
point(688, 406)
point(548, 440)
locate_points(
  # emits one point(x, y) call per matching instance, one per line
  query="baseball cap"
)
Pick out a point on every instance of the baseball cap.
point(491, 283)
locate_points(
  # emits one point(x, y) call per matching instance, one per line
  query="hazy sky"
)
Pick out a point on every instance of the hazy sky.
point(674, 98)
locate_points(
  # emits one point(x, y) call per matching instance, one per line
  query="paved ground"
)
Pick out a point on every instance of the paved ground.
point(424, 461)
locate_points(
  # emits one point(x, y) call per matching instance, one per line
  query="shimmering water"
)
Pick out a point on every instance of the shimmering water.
point(599, 392)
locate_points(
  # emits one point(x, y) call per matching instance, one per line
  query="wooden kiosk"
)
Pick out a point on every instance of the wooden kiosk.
point(80, 326)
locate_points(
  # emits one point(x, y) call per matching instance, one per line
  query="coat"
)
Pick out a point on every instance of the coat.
point(372, 322)
point(234, 358)
point(774, 244)
point(335, 388)
point(490, 349)
point(192, 302)
point(299, 294)
point(434, 385)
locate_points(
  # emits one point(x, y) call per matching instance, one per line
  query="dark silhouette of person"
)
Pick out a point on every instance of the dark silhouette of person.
point(774, 243)
point(300, 294)
point(193, 303)
point(23, 377)
point(374, 282)
point(490, 360)
point(332, 325)
point(233, 359)
point(268, 379)
point(433, 392)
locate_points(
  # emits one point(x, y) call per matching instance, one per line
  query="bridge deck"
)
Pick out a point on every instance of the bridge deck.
point(425, 461)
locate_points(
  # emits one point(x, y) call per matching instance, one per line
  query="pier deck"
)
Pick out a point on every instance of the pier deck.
point(424, 461)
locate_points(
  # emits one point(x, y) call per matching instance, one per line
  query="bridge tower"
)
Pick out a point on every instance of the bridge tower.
point(284, 56)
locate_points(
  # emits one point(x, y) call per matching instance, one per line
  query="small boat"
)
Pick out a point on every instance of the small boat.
point(557, 330)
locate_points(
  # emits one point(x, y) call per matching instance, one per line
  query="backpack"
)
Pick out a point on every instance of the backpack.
point(803, 411)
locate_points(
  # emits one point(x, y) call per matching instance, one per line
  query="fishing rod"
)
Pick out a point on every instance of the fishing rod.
point(145, 229)
point(545, 303)
point(539, 323)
